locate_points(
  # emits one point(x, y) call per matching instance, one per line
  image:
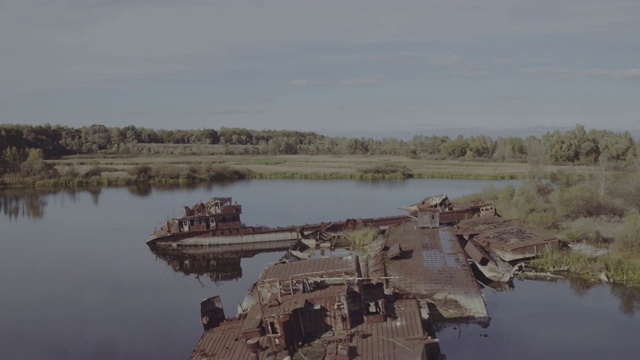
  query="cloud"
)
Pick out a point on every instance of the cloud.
point(618, 74)
point(509, 98)
point(397, 58)
point(502, 62)
point(565, 74)
point(364, 81)
point(71, 43)
point(546, 73)
point(358, 81)
point(457, 66)
point(308, 83)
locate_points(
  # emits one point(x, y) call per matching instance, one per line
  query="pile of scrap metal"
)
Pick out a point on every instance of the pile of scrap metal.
point(320, 308)
point(447, 213)
point(498, 247)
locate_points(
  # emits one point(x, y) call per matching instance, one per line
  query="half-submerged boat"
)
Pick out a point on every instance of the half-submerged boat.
point(217, 222)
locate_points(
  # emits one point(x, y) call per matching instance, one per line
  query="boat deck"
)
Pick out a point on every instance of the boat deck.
point(433, 268)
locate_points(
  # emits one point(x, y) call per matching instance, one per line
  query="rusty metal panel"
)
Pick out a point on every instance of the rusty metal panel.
point(435, 269)
point(399, 337)
point(320, 267)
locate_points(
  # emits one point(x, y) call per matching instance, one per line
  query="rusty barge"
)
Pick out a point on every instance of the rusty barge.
point(382, 304)
point(217, 223)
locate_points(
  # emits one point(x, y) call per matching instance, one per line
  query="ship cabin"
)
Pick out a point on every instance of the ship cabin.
point(218, 215)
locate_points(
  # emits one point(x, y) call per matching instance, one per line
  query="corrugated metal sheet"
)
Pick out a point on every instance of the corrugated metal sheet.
point(321, 267)
point(399, 338)
point(436, 270)
point(223, 342)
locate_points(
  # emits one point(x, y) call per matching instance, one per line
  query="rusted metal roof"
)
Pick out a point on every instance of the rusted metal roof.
point(435, 270)
point(321, 267)
point(325, 297)
point(226, 342)
point(509, 239)
point(402, 337)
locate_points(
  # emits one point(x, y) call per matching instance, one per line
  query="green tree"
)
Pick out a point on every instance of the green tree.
point(35, 166)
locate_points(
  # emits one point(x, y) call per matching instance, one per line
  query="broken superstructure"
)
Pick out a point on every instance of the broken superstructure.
point(323, 308)
point(217, 223)
point(448, 213)
point(498, 247)
point(376, 306)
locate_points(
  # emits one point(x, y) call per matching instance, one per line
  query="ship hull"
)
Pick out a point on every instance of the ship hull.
point(204, 239)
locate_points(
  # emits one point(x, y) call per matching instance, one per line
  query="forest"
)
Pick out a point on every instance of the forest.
point(21, 146)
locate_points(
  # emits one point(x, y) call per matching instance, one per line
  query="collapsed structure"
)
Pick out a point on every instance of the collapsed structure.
point(324, 308)
point(498, 247)
point(376, 306)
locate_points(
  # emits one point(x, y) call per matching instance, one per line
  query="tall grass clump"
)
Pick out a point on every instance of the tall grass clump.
point(616, 267)
point(361, 238)
point(388, 170)
point(628, 239)
point(223, 172)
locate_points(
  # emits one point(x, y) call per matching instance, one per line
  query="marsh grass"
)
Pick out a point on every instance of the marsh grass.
point(621, 268)
point(467, 176)
point(594, 231)
point(361, 238)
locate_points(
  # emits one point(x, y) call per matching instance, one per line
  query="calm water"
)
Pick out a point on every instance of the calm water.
point(78, 281)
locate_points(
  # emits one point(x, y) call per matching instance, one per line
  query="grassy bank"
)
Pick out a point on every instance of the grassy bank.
point(80, 171)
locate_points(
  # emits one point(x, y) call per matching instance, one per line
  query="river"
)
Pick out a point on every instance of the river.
point(79, 282)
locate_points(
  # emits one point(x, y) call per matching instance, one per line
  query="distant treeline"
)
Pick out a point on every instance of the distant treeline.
point(573, 146)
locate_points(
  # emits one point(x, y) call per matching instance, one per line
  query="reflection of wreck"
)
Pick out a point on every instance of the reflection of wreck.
point(496, 245)
point(217, 222)
point(218, 263)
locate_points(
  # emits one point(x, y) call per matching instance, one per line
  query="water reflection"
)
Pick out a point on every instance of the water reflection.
point(629, 299)
point(628, 296)
point(140, 190)
point(216, 263)
point(14, 205)
point(31, 203)
point(144, 190)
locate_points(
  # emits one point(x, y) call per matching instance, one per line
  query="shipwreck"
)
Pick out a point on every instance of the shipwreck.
point(499, 247)
point(217, 223)
point(322, 308)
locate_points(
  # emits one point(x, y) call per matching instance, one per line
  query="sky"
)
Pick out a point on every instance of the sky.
point(339, 65)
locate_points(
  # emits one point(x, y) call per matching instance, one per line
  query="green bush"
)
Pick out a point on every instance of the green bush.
point(584, 230)
point(388, 170)
point(628, 240)
point(362, 237)
point(141, 173)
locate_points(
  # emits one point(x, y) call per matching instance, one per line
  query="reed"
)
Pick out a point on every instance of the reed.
point(620, 268)
point(361, 238)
